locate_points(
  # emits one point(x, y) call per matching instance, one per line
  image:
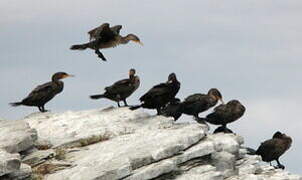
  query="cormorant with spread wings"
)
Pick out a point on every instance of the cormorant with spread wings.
point(105, 37)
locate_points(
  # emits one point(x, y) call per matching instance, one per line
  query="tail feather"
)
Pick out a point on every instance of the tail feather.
point(79, 46)
point(15, 104)
point(97, 96)
point(135, 107)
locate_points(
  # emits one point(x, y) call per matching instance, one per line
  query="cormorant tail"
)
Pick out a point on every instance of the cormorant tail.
point(135, 107)
point(251, 151)
point(97, 96)
point(79, 46)
point(15, 104)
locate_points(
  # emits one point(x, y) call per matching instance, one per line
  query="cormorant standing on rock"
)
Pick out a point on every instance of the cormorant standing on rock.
point(105, 37)
point(272, 149)
point(173, 109)
point(45, 92)
point(120, 90)
point(224, 114)
point(197, 103)
point(158, 96)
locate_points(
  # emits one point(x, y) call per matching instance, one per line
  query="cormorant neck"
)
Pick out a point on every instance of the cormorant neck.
point(125, 39)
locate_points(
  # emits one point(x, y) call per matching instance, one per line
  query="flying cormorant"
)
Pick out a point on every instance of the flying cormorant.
point(120, 90)
point(158, 96)
point(197, 103)
point(45, 92)
point(173, 109)
point(272, 149)
point(105, 37)
point(224, 114)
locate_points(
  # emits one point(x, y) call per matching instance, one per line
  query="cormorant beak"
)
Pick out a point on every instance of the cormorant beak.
point(222, 102)
point(137, 41)
point(68, 75)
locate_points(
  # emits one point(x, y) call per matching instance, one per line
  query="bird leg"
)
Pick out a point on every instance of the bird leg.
point(118, 104)
point(125, 102)
point(43, 109)
point(158, 111)
point(279, 165)
point(201, 121)
point(100, 55)
point(40, 109)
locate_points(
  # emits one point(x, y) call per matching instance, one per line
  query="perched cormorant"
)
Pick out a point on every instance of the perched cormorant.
point(224, 114)
point(158, 96)
point(197, 103)
point(45, 92)
point(120, 90)
point(272, 149)
point(173, 109)
point(105, 37)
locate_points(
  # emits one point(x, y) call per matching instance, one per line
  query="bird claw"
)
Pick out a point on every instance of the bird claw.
point(280, 166)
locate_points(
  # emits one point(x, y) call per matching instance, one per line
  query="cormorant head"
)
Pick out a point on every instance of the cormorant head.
point(278, 134)
point(134, 38)
point(131, 72)
point(60, 75)
point(216, 94)
point(172, 78)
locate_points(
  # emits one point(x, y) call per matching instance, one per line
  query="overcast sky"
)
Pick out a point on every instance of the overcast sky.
point(250, 50)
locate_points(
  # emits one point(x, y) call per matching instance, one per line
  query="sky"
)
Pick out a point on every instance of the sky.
point(250, 50)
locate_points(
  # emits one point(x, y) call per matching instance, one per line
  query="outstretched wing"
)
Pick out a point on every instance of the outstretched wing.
point(102, 32)
point(116, 29)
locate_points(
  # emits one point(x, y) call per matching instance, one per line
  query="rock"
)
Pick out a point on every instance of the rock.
point(116, 143)
point(23, 173)
point(224, 162)
point(16, 136)
point(38, 157)
point(9, 163)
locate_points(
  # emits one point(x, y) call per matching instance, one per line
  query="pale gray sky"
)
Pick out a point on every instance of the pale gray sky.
point(250, 50)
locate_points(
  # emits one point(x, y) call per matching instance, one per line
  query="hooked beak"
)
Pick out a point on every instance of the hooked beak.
point(137, 41)
point(68, 75)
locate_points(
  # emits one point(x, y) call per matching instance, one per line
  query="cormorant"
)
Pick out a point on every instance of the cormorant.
point(120, 90)
point(197, 103)
point(224, 114)
point(158, 96)
point(272, 149)
point(173, 109)
point(45, 92)
point(105, 37)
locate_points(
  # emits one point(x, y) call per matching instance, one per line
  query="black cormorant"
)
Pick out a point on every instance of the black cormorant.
point(105, 37)
point(173, 109)
point(120, 90)
point(45, 92)
point(197, 103)
point(158, 96)
point(272, 149)
point(224, 114)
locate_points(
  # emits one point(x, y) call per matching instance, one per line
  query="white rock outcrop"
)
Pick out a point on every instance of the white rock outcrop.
point(116, 143)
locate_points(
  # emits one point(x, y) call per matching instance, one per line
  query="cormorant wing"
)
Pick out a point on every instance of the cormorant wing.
point(102, 32)
point(41, 91)
point(157, 90)
point(116, 29)
point(194, 97)
point(119, 86)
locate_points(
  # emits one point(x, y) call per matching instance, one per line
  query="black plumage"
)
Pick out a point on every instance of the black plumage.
point(45, 92)
point(120, 90)
point(173, 109)
point(158, 96)
point(105, 37)
point(272, 149)
point(197, 103)
point(224, 114)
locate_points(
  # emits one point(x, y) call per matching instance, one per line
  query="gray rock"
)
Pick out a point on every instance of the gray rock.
point(16, 136)
point(23, 173)
point(38, 157)
point(224, 162)
point(9, 162)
